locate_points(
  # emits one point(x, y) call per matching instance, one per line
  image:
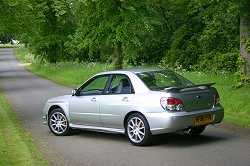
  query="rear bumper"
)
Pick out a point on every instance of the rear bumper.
point(166, 122)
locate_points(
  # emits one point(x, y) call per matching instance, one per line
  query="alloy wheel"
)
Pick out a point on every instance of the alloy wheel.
point(58, 122)
point(136, 129)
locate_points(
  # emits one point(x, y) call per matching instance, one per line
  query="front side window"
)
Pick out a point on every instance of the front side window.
point(95, 86)
point(159, 80)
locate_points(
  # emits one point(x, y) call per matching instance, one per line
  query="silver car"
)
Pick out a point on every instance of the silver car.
point(139, 103)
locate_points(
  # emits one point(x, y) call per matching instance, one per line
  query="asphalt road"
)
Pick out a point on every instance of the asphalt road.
point(28, 93)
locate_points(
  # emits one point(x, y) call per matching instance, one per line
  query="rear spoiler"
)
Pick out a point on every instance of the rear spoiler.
point(189, 87)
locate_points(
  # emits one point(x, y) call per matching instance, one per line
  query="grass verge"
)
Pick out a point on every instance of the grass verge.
point(16, 146)
point(235, 101)
point(9, 46)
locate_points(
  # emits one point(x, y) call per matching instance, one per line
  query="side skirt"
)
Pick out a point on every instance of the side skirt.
point(98, 129)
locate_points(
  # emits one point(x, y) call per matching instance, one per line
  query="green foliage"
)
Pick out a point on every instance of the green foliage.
point(56, 22)
point(243, 73)
point(76, 73)
point(207, 37)
point(43, 25)
point(184, 50)
point(221, 31)
point(187, 34)
point(106, 24)
point(248, 44)
point(24, 56)
point(49, 48)
point(217, 62)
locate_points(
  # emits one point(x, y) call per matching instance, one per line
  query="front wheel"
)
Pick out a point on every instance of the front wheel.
point(58, 123)
point(137, 130)
point(197, 130)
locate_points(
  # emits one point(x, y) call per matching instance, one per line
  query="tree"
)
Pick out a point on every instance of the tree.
point(54, 22)
point(244, 70)
point(118, 24)
point(179, 33)
point(10, 17)
point(206, 34)
point(245, 32)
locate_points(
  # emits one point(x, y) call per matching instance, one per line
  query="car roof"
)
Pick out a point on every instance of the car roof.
point(135, 71)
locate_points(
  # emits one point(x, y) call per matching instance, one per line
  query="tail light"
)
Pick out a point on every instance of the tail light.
point(171, 104)
point(216, 99)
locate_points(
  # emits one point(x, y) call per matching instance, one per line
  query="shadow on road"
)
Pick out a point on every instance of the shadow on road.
point(99, 135)
point(183, 140)
point(170, 139)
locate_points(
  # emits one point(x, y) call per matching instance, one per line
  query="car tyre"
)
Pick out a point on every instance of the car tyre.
point(58, 123)
point(197, 130)
point(137, 130)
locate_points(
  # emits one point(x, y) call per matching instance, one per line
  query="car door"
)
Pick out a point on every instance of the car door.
point(84, 106)
point(116, 103)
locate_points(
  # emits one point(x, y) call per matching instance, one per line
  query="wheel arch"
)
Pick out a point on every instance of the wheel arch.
point(53, 107)
point(130, 113)
point(63, 106)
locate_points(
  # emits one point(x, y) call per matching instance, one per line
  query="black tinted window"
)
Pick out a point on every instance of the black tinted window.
point(96, 86)
point(159, 80)
point(120, 84)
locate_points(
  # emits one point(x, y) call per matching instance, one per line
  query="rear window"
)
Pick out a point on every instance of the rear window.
point(159, 80)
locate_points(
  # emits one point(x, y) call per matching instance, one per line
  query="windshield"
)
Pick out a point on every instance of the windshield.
point(159, 80)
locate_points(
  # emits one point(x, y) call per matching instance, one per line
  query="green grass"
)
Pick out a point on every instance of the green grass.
point(70, 74)
point(236, 102)
point(16, 146)
point(24, 56)
point(9, 46)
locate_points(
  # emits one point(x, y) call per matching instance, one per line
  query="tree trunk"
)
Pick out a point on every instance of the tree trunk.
point(244, 46)
point(118, 55)
point(244, 37)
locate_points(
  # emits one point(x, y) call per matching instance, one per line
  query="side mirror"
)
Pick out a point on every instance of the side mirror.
point(74, 92)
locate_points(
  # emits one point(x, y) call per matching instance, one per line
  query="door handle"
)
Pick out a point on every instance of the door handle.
point(125, 99)
point(93, 99)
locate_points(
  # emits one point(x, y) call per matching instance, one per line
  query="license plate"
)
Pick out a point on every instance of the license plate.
point(204, 119)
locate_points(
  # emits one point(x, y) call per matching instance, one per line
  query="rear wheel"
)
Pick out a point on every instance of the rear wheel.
point(137, 130)
point(197, 130)
point(58, 123)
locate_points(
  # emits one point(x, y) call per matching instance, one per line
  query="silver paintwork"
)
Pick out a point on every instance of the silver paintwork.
point(108, 112)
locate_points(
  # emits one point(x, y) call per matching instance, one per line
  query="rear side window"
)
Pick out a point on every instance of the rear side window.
point(159, 80)
point(120, 84)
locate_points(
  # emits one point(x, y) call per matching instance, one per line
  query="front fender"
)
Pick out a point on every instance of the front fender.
point(50, 106)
